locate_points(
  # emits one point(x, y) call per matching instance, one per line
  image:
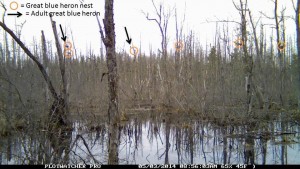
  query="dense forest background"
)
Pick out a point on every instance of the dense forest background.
point(224, 81)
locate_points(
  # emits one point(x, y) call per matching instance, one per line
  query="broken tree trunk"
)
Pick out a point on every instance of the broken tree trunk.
point(247, 56)
point(280, 57)
point(61, 61)
point(111, 61)
point(45, 63)
point(61, 133)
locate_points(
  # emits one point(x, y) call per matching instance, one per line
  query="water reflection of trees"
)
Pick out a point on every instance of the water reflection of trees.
point(160, 139)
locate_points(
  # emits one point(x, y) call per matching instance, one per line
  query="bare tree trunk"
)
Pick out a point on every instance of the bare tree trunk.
point(8, 67)
point(298, 47)
point(248, 57)
point(111, 60)
point(177, 49)
point(63, 140)
point(258, 49)
point(279, 52)
point(162, 21)
point(45, 62)
point(61, 60)
point(225, 146)
point(168, 127)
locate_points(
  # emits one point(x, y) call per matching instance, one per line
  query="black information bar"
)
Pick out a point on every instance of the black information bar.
point(192, 166)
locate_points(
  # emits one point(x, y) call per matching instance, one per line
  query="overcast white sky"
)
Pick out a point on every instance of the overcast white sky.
point(129, 13)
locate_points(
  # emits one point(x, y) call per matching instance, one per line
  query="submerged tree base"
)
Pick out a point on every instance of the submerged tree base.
point(59, 130)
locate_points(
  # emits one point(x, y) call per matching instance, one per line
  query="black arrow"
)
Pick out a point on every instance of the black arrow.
point(63, 37)
point(18, 14)
point(128, 40)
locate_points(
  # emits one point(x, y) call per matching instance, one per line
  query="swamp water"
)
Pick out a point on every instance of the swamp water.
point(143, 140)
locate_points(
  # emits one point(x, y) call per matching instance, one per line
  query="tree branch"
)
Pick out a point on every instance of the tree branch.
point(160, 8)
point(223, 21)
point(62, 66)
point(294, 6)
point(101, 31)
point(4, 13)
